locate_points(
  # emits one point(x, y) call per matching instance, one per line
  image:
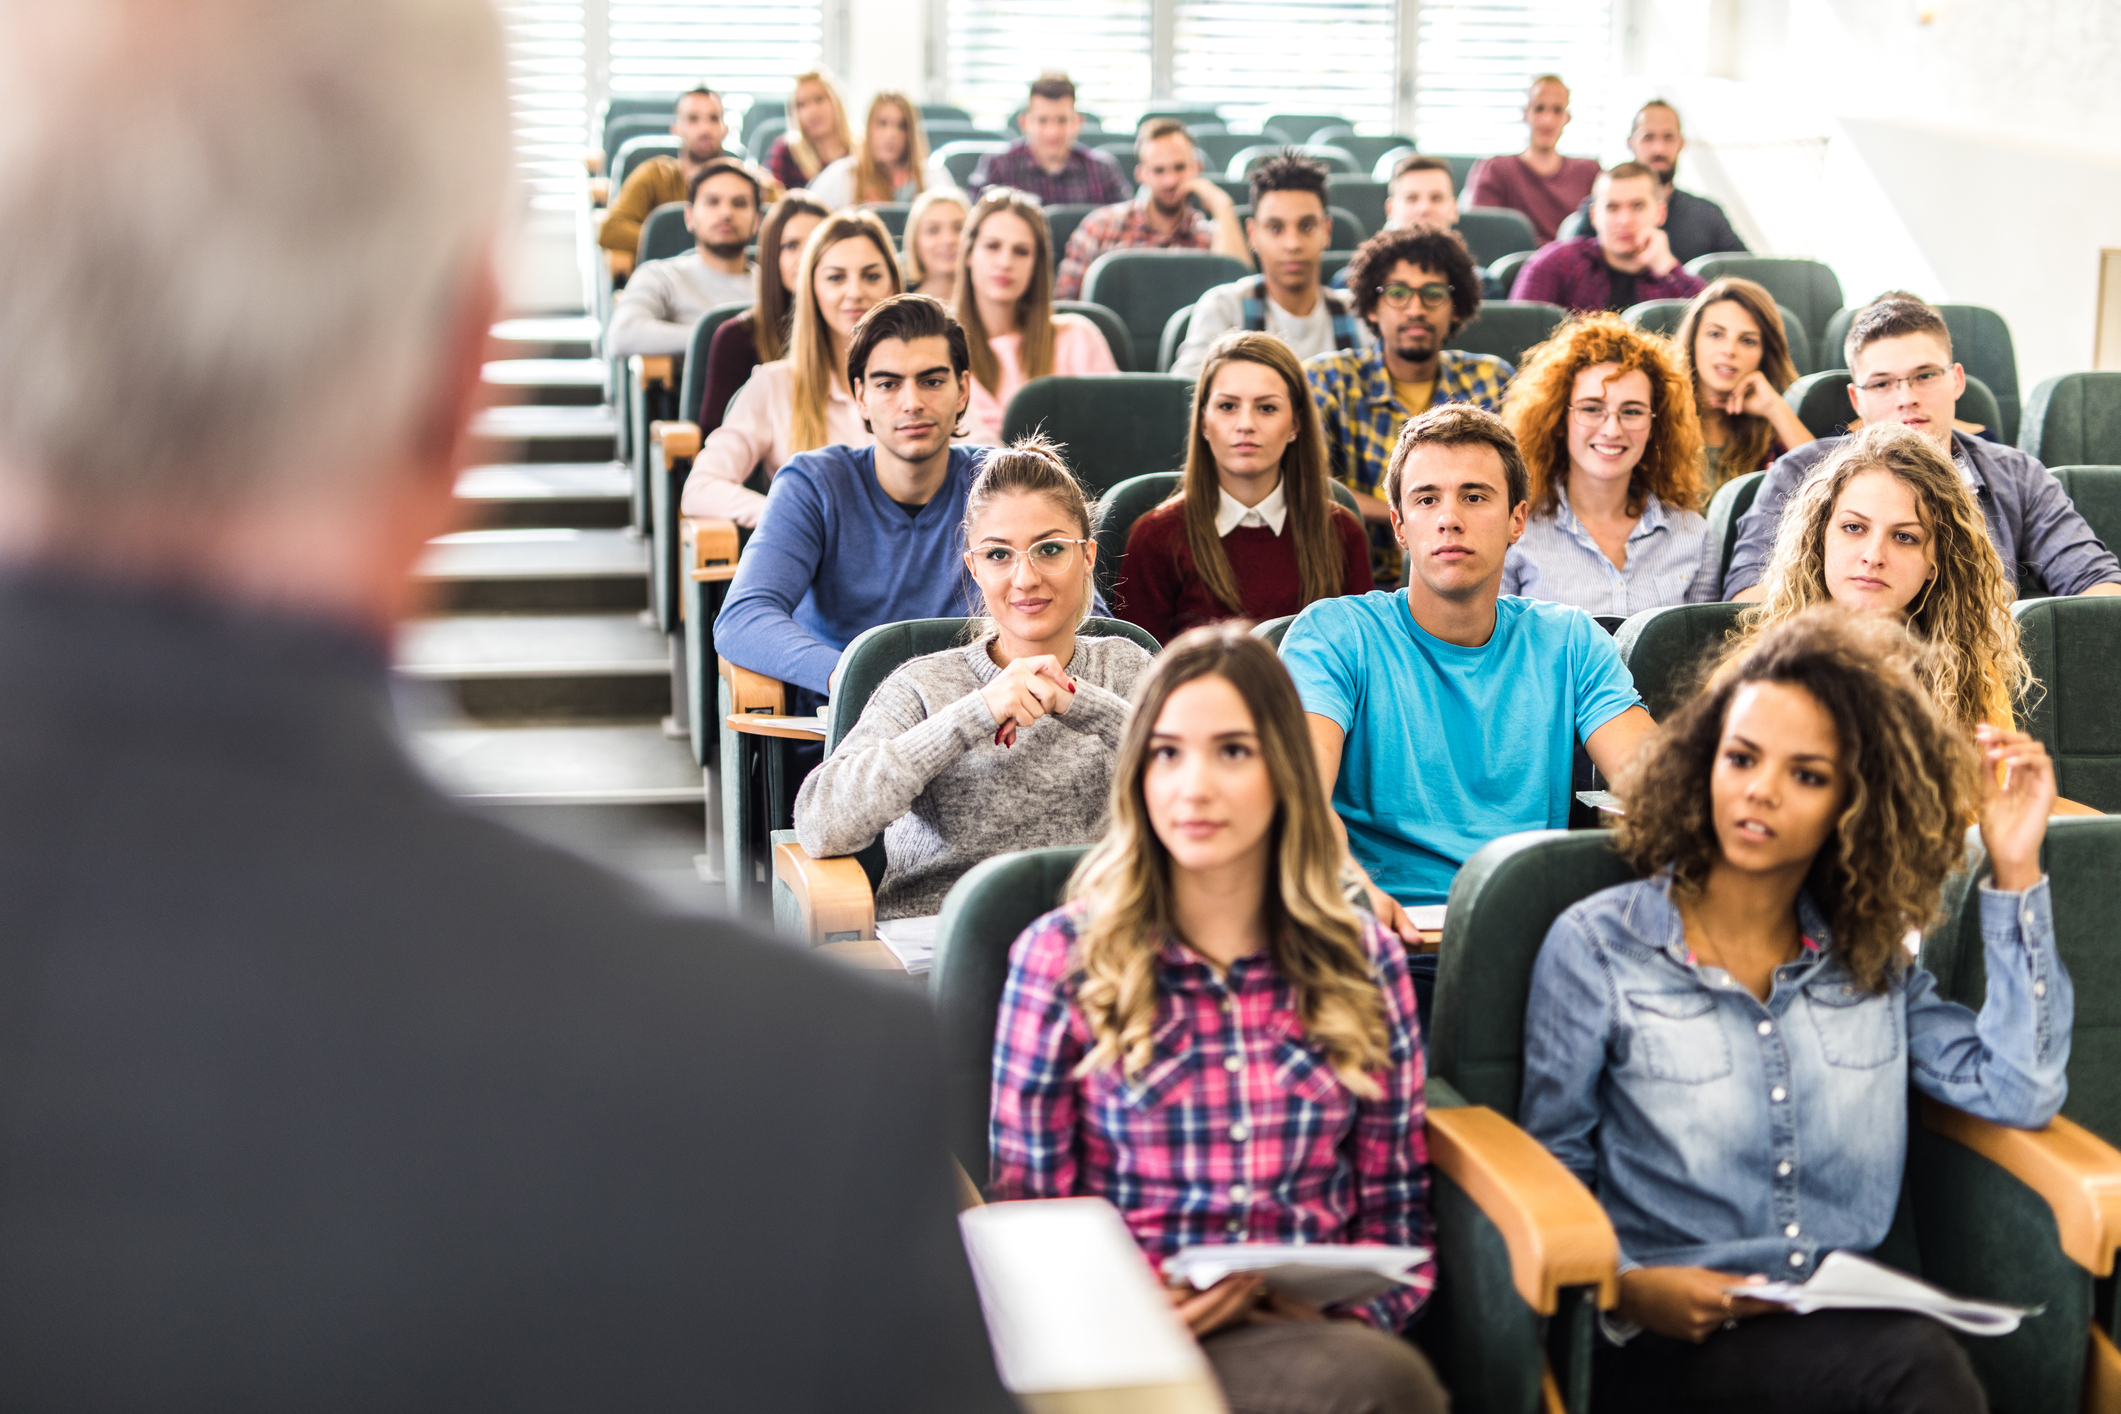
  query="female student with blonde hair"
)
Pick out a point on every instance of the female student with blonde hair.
point(928, 252)
point(1211, 1038)
point(1254, 531)
point(817, 134)
point(886, 165)
point(1006, 743)
point(1734, 348)
point(1004, 298)
point(801, 401)
point(760, 335)
point(1604, 415)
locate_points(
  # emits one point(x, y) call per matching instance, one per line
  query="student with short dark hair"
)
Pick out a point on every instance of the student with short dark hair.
point(1047, 161)
point(1167, 181)
point(698, 125)
point(1211, 1038)
point(1723, 1050)
point(761, 334)
point(1253, 531)
point(1627, 261)
point(665, 298)
point(1006, 742)
point(1420, 193)
point(1539, 182)
point(1900, 355)
point(1694, 225)
point(1288, 229)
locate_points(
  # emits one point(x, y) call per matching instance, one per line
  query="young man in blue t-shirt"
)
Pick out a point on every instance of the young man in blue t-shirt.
point(1443, 714)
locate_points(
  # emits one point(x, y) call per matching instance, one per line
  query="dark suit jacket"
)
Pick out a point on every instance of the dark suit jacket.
point(1694, 225)
point(318, 1093)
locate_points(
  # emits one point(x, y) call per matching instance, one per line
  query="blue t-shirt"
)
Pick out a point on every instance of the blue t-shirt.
point(1448, 747)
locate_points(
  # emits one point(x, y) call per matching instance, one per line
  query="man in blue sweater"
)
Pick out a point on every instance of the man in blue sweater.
point(852, 537)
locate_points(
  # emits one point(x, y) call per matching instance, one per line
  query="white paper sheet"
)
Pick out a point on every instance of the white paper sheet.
point(1847, 1282)
point(1428, 917)
point(911, 940)
point(1324, 1274)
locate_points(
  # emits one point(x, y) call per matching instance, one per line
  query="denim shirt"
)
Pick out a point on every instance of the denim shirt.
point(1722, 1131)
point(1671, 560)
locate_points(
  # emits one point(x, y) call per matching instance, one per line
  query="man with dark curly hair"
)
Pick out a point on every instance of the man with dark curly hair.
point(1414, 289)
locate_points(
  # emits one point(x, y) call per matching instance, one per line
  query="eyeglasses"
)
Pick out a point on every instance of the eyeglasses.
point(1047, 557)
point(1631, 415)
point(1920, 379)
point(1433, 295)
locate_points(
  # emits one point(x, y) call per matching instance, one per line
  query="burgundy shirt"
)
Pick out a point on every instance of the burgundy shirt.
point(1574, 275)
point(1545, 201)
point(1159, 589)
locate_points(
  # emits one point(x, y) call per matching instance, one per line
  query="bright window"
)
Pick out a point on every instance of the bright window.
point(1473, 61)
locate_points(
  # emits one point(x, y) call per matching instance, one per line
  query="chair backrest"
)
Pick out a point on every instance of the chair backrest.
point(1493, 232)
point(1274, 630)
point(638, 105)
point(983, 914)
point(1112, 426)
point(1807, 286)
point(1502, 903)
point(695, 387)
point(1143, 286)
point(1061, 219)
point(663, 234)
point(1366, 150)
point(636, 150)
point(1381, 168)
point(1117, 338)
point(944, 113)
point(1119, 149)
point(1215, 149)
point(759, 137)
point(1506, 328)
point(1361, 197)
point(1668, 650)
point(1662, 316)
point(2096, 493)
point(1981, 342)
point(1298, 127)
point(2074, 419)
point(1128, 502)
point(621, 128)
point(959, 158)
point(1822, 402)
point(1198, 113)
point(1731, 501)
point(2070, 645)
point(1501, 275)
point(762, 108)
point(1173, 338)
point(1348, 231)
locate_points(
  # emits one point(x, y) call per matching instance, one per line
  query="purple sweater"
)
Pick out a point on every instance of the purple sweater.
point(1574, 275)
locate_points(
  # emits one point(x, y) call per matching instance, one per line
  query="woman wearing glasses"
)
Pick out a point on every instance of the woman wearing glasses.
point(1006, 743)
point(1604, 415)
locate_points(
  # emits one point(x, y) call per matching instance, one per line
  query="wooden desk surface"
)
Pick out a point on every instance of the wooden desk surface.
point(869, 954)
point(762, 724)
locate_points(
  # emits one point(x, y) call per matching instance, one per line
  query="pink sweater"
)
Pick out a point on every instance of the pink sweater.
point(1077, 348)
point(755, 433)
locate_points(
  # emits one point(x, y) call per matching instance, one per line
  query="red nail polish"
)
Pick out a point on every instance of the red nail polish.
point(1071, 687)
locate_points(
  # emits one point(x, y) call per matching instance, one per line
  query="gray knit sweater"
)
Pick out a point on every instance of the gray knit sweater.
point(922, 769)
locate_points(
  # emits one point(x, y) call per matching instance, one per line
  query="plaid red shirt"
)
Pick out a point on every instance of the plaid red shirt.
point(1089, 177)
point(1237, 1130)
point(1124, 225)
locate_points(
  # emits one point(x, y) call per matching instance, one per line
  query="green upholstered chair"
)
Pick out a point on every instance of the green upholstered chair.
point(1362, 196)
point(944, 113)
point(833, 900)
point(960, 157)
point(891, 213)
point(2074, 419)
point(663, 234)
point(1981, 342)
point(1274, 630)
point(1822, 402)
point(2071, 646)
point(1499, 277)
point(1492, 232)
point(759, 136)
point(1109, 324)
point(1807, 286)
point(664, 478)
point(1189, 114)
point(1061, 220)
point(1111, 425)
point(1662, 316)
point(1381, 169)
point(1368, 151)
point(2096, 493)
point(1516, 1235)
point(764, 107)
point(1731, 501)
point(1297, 128)
point(1128, 502)
point(1216, 149)
point(622, 128)
point(1506, 328)
point(1173, 338)
point(1667, 650)
point(1332, 263)
point(1348, 228)
point(638, 149)
point(1143, 287)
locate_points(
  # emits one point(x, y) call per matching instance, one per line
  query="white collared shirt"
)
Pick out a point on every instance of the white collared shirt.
point(1232, 513)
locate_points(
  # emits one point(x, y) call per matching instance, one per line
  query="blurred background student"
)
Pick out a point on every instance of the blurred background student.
point(928, 252)
point(760, 334)
point(885, 165)
point(817, 135)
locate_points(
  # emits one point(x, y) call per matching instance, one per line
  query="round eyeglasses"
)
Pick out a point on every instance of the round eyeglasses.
point(1399, 294)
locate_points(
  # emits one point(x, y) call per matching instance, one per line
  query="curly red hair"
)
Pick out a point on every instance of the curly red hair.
point(1537, 410)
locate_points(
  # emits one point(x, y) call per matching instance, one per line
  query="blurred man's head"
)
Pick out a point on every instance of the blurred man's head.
point(1165, 164)
point(1050, 121)
point(1546, 111)
point(723, 210)
point(267, 298)
point(1421, 193)
point(698, 124)
point(1656, 139)
point(1627, 203)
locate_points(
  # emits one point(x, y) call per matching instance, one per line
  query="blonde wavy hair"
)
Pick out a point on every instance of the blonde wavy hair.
point(799, 145)
point(909, 256)
point(1537, 410)
point(810, 342)
point(1314, 936)
point(1974, 666)
point(872, 182)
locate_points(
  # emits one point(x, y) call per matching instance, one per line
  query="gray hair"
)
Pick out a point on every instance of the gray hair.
point(233, 234)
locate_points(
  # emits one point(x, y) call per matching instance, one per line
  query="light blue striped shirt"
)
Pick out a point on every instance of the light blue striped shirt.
point(1671, 560)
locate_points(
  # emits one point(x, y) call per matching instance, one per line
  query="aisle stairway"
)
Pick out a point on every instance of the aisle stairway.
point(535, 688)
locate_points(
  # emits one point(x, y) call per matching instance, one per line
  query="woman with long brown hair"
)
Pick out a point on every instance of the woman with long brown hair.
point(761, 334)
point(817, 134)
point(1734, 348)
point(1004, 299)
point(1211, 1038)
point(1722, 1050)
point(1253, 531)
point(935, 226)
point(801, 401)
point(1604, 415)
point(886, 165)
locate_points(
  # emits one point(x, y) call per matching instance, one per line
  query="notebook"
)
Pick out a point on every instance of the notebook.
point(1847, 1282)
point(911, 940)
point(1323, 1274)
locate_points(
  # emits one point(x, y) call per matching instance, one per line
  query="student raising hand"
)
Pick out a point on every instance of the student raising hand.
point(2017, 797)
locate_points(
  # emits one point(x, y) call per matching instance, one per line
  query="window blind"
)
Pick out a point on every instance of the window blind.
point(667, 46)
point(548, 98)
point(1472, 61)
point(1254, 58)
point(997, 47)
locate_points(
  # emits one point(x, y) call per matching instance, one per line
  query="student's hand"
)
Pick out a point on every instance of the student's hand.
point(1213, 199)
point(2017, 796)
point(1026, 690)
point(1753, 397)
point(1374, 507)
point(1395, 919)
point(1656, 252)
point(1687, 1303)
point(1279, 1308)
point(1223, 1304)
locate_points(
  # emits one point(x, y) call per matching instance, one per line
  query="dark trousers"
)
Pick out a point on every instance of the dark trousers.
point(1321, 1367)
point(1830, 1362)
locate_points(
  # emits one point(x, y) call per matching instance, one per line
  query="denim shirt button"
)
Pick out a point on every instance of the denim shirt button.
point(1778, 1094)
point(1240, 1131)
point(2039, 989)
point(1790, 1231)
point(1766, 1028)
point(1783, 1168)
point(1796, 1259)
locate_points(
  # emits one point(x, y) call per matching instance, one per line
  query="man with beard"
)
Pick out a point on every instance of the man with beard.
point(1415, 289)
point(665, 298)
point(1693, 225)
point(1166, 173)
point(1538, 182)
point(1628, 261)
point(700, 128)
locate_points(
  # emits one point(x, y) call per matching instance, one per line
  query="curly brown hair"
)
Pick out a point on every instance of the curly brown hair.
point(1441, 251)
point(1911, 782)
point(1537, 409)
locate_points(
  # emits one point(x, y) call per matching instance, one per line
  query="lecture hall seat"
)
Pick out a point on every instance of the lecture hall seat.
point(2076, 712)
point(2074, 419)
point(1111, 425)
point(1143, 287)
point(1119, 508)
point(1807, 286)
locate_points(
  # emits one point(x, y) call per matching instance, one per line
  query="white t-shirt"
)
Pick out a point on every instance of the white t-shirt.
point(1223, 309)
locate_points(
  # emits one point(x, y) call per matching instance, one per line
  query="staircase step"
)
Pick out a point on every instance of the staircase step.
point(549, 382)
point(550, 336)
point(526, 494)
point(622, 764)
point(539, 433)
point(552, 568)
point(532, 645)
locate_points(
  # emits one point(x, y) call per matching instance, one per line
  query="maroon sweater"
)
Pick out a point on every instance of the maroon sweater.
point(1159, 589)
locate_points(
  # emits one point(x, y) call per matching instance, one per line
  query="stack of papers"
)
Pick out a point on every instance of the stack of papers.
point(1846, 1282)
point(1428, 917)
point(1323, 1274)
point(912, 942)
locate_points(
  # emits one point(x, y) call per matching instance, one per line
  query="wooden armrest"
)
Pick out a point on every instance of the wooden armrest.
point(834, 896)
point(753, 692)
point(711, 545)
point(679, 440)
point(2077, 1172)
point(619, 263)
point(1557, 1234)
point(767, 724)
point(2066, 806)
point(653, 370)
point(2102, 1374)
